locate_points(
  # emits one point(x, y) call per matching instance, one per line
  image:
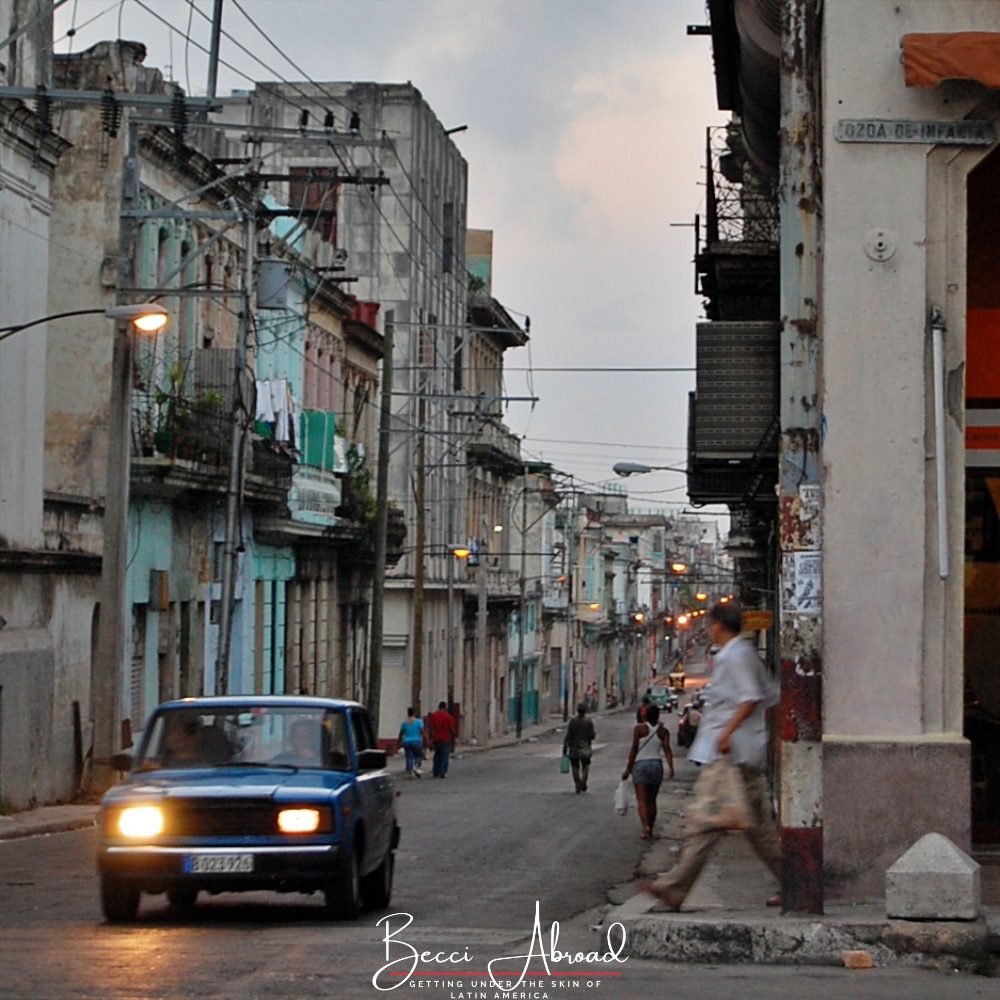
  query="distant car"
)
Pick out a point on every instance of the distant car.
point(661, 695)
point(245, 793)
point(676, 679)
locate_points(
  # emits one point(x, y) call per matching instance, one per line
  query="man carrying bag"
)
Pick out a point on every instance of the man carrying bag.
point(580, 735)
point(731, 746)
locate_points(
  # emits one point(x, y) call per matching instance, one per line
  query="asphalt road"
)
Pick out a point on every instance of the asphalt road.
point(504, 833)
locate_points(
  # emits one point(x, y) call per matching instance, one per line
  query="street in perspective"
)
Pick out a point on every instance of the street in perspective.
point(499, 499)
point(501, 850)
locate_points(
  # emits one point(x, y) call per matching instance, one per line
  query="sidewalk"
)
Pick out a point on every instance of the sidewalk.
point(725, 919)
point(47, 819)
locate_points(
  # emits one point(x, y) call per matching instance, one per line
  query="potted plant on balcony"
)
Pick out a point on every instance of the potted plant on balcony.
point(173, 413)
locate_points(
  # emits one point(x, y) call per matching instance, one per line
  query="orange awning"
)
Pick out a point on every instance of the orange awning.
point(965, 55)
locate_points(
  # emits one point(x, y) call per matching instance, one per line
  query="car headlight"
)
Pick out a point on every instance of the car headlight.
point(298, 820)
point(141, 821)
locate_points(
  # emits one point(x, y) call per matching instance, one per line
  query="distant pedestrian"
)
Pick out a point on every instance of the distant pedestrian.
point(640, 712)
point(411, 739)
point(733, 725)
point(580, 736)
point(443, 733)
point(650, 743)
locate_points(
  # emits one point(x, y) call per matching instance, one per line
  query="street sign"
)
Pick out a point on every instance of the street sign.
point(755, 620)
point(953, 133)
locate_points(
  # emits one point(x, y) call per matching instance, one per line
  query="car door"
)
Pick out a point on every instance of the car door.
point(374, 791)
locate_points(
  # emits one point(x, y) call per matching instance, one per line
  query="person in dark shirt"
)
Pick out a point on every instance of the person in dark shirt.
point(580, 735)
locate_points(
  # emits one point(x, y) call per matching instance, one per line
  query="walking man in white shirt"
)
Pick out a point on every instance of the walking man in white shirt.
point(733, 725)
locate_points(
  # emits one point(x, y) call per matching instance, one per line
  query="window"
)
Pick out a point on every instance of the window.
point(364, 738)
point(448, 237)
point(314, 192)
point(456, 364)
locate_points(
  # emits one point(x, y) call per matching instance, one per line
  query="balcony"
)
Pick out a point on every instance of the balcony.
point(180, 442)
point(492, 446)
point(315, 496)
point(737, 267)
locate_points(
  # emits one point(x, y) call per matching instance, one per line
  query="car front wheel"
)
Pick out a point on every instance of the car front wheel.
point(119, 902)
point(343, 898)
point(376, 888)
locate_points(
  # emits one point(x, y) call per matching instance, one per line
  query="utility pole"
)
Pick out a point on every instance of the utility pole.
point(482, 661)
point(237, 448)
point(519, 709)
point(416, 678)
point(381, 527)
point(106, 676)
point(570, 680)
point(213, 53)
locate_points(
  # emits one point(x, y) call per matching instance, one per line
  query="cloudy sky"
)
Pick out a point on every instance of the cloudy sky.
point(586, 128)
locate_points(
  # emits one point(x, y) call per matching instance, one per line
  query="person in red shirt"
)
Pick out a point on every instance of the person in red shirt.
point(442, 731)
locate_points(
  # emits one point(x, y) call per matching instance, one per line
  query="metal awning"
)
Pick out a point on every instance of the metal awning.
point(930, 58)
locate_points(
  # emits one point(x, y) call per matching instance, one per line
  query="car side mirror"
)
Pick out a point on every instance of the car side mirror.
point(121, 761)
point(371, 760)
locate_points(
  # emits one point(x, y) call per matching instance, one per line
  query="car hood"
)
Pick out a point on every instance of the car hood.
point(228, 783)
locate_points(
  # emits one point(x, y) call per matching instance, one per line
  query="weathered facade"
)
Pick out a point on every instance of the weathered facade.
point(48, 544)
point(875, 125)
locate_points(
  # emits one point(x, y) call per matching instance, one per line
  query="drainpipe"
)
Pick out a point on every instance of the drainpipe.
point(938, 330)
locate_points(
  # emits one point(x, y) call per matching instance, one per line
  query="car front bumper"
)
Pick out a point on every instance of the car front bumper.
point(283, 868)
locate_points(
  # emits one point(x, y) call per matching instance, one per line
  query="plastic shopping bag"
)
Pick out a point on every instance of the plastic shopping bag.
point(621, 798)
point(564, 764)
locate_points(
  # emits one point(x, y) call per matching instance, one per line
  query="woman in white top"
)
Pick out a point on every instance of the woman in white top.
point(650, 743)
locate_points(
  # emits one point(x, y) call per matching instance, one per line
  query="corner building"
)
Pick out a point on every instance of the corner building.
point(850, 258)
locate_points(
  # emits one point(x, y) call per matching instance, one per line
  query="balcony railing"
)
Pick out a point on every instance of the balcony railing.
point(741, 205)
point(182, 427)
point(493, 446)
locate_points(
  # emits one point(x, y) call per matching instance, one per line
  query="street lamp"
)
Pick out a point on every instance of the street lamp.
point(454, 552)
point(107, 670)
point(145, 317)
point(625, 469)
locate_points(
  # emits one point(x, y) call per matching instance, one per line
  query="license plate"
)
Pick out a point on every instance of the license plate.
point(201, 864)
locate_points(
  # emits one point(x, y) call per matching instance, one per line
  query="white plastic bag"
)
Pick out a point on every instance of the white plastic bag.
point(621, 798)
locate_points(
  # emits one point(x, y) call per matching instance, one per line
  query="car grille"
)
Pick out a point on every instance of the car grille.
point(201, 818)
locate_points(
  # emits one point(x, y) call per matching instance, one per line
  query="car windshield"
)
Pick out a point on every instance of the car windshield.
point(258, 736)
point(659, 692)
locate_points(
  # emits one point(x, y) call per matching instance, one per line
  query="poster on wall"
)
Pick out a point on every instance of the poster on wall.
point(802, 582)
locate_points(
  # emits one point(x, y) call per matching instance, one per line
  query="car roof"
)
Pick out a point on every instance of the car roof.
point(246, 701)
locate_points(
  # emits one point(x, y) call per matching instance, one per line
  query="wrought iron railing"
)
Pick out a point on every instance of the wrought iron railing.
point(741, 205)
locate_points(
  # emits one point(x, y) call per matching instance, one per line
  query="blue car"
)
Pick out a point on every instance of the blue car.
point(245, 793)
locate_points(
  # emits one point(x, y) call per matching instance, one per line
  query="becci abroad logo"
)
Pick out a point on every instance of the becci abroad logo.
point(403, 961)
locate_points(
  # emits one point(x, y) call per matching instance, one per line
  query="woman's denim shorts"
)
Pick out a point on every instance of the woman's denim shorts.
point(648, 772)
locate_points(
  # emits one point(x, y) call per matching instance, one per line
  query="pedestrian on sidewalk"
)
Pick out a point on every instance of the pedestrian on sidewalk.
point(580, 734)
point(650, 743)
point(732, 725)
point(443, 733)
point(411, 739)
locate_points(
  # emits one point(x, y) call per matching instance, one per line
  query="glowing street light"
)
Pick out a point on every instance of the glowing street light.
point(454, 552)
point(145, 317)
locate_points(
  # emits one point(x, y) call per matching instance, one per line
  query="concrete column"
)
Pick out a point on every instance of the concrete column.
point(799, 463)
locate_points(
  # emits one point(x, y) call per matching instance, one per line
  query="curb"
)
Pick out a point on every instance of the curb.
point(805, 941)
point(18, 830)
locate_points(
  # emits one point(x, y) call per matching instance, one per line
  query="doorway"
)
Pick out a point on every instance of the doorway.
point(981, 714)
